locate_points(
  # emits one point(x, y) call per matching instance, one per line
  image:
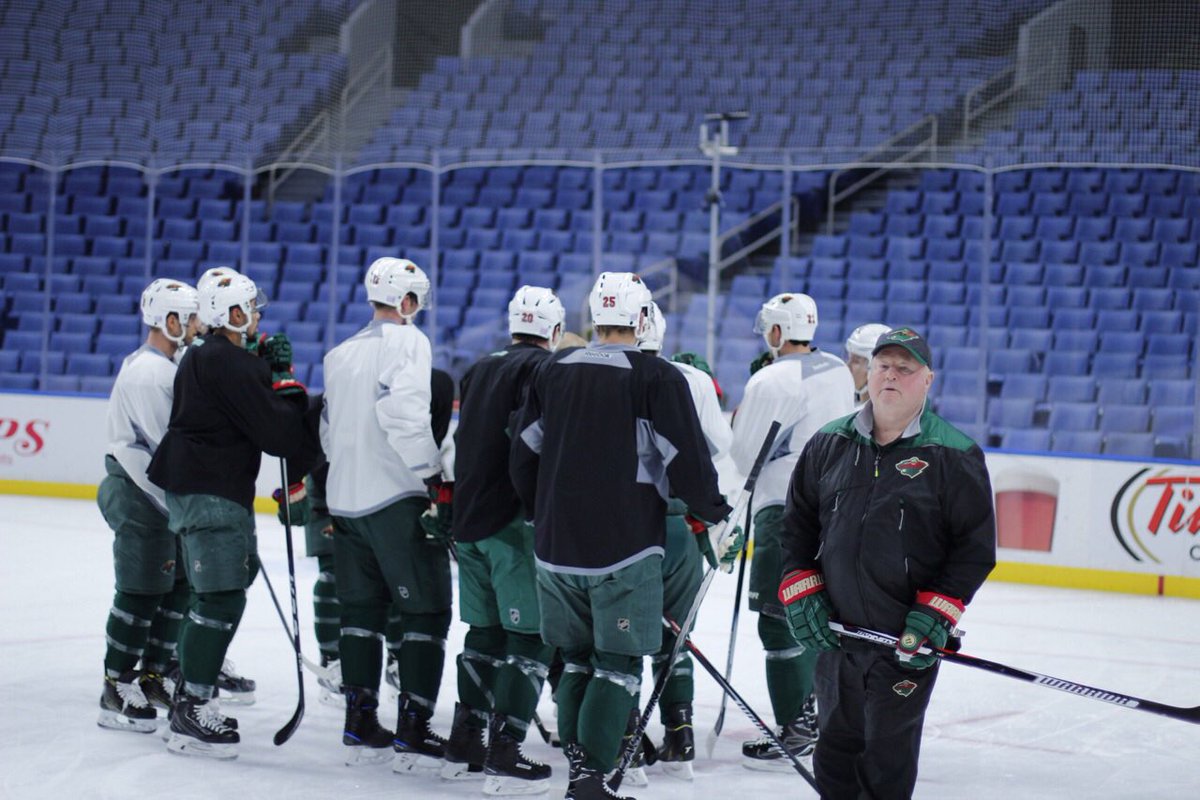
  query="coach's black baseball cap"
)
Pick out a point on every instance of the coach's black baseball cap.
point(910, 340)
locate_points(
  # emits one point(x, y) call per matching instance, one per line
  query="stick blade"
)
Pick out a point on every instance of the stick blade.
point(710, 743)
point(285, 733)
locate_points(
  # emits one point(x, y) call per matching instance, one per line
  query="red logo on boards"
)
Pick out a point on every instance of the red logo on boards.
point(1157, 512)
point(24, 438)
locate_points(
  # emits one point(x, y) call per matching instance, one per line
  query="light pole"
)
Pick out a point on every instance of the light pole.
point(714, 146)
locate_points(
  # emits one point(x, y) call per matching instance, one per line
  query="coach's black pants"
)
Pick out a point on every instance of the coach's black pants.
point(871, 713)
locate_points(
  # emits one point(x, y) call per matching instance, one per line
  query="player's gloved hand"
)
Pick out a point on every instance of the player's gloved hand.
point(437, 521)
point(807, 605)
point(726, 553)
point(930, 621)
point(298, 503)
point(763, 359)
point(691, 359)
point(276, 350)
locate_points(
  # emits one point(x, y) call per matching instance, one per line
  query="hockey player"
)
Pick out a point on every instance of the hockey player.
point(803, 388)
point(318, 539)
point(912, 539)
point(683, 567)
point(605, 436)
point(859, 345)
point(229, 408)
point(151, 592)
point(504, 660)
point(384, 467)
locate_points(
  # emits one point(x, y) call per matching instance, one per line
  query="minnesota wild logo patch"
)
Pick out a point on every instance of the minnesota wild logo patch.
point(904, 688)
point(911, 467)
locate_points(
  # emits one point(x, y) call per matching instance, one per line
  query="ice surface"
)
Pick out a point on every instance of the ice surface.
point(986, 736)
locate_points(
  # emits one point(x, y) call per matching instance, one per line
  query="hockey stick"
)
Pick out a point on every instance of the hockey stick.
point(660, 681)
point(321, 673)
point(729, 691)
point(289, 728)
point(711, 742)
point(1182, 713)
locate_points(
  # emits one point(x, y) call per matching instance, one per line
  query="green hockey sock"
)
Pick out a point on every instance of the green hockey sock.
point(205, 637)
point(519, 681)
point(164, 631)
point(327, 614)
point(611, 694)
point(790, 668)
point(680, 686)
point(128, 630)
point(482, 656)
point(572, 686)
point(423, 655)
point(359, 645)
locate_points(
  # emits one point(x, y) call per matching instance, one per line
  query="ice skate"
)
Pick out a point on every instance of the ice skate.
point(367, 740)
point(678, 749)
point(416, 746)
point(238, 690)
point(331, 684)
point(159, 689)
point(800, 738)
point(124, 706)
point(509, 771)
point(198, 729)
point(465, 749)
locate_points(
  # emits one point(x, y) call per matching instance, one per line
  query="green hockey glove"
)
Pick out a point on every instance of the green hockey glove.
point(763, 359)
point(437, 522)
point(930, 621)
point(298, 503)
point(807, 605)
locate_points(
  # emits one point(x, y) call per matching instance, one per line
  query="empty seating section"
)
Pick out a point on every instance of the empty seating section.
point(811, 76)
point(1092, 316)
point(1119, 116)
point(172, 81)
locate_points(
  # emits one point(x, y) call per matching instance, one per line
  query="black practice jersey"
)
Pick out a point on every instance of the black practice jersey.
point(225, 415)
point(606, 435)
point(490, 394)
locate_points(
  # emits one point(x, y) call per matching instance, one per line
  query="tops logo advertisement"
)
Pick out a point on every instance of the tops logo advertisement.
point(21, 437)
point(1156, 515)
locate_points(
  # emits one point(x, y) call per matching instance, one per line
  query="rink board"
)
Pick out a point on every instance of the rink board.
point(1124, 525)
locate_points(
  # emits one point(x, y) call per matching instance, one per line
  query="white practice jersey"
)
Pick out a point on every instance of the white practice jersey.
point(138, 412)
point(708, 407)
point(801, 390)
point(375, 427)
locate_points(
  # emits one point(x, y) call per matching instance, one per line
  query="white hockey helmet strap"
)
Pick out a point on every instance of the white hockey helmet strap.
point(656, 330)
point(164, 297)
point(794, 313)
point(621, 300)
point(537, 311)
point(389, 280)
point(862, 341)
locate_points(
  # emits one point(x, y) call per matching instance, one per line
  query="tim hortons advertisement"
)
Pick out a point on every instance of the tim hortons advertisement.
point(1103, 514)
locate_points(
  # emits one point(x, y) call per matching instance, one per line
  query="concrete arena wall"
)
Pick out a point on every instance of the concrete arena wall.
point(1115, 524)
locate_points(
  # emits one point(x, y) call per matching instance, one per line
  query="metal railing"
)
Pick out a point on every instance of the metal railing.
point(971, 112)
point(321, 131)
point(882, 155)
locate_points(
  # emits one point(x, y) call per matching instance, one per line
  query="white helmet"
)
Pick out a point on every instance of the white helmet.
point(164, 297)
point(656, 330)
point(794, 313)
point(211, 275)
point(537, 311)
point(389, 280)
point(224, 293)
point(621, 300)
point(862, 341)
